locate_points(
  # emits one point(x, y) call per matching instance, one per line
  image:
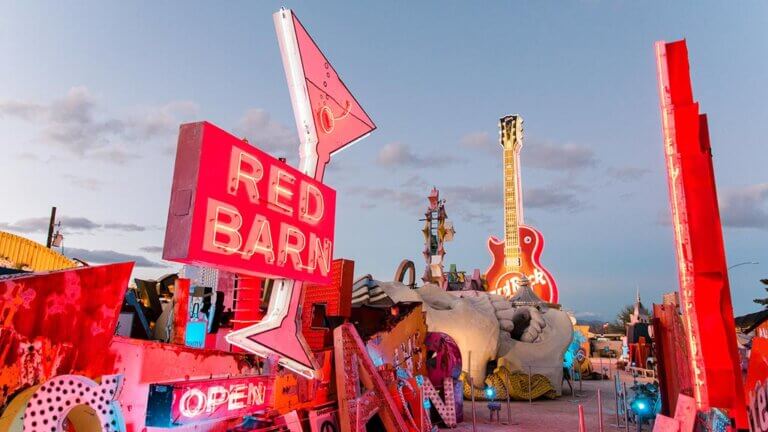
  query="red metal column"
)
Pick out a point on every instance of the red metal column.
point(180, 311)
point(247, 303)
point(705, 297)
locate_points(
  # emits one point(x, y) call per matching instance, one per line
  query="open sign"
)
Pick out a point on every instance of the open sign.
point(174, 404)
point(236, 208)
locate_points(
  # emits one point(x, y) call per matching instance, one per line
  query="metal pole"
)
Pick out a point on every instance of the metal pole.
point(616, 398)
point(582, 422)
point(601, 368)
point(599, 411)
point(574, 395)
point(425, 413)
point(472, 392)
point(581, 379)
point(530, 390)
point(626, 408)
point(509, 410)
point(49, 241)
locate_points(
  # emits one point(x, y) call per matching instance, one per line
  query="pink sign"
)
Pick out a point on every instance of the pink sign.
point(236, 208)
point(188, 402)
point(328, 117)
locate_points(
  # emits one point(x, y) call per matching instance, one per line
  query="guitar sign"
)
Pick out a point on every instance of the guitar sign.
point(513, 258)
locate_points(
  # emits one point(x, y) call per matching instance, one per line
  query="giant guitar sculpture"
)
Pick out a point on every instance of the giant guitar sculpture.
point(518, 253)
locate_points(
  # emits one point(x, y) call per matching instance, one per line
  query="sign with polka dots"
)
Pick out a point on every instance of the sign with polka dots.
point(84, 403)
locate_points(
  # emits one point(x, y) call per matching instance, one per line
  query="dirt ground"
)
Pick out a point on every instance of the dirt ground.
point(553, 415)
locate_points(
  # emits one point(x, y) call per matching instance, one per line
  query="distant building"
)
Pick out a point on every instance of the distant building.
point(640, 313)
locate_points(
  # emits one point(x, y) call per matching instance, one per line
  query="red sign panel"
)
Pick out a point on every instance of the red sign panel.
point(757, 385)
point(705, 294)
point(236, 208)
point(182, 403)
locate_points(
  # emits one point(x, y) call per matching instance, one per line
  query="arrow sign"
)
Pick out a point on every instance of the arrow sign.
point(279, 333)
point(328, 119)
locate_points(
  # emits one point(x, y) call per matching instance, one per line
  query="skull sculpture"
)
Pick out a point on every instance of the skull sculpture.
point(487, 327)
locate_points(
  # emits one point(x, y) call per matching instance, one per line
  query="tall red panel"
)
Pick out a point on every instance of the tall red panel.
point(704, 291)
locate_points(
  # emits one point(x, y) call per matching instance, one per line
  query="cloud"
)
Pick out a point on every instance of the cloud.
point(627, 174)
point(487, 195)
point(480, 141)
point(267, 134)
point(562, 196)
point(128, 227)
point(40, 224)
point(151, 249)
point(162, 120)
point(21, 109)
point(745, 207)
point(68, 224)
point(87, 183)
point(403, 198)
point(78, 124)
point(397, 154)
point(549, 156)
point(588, 316)
point(109, 256)
point(553, 198)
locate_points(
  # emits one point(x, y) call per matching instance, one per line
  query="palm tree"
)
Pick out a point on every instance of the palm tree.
point(763, 301)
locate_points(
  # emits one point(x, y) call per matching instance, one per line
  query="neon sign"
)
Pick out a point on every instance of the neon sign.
point(175, 404)
point(328, 117)
point(279, 333)
point(235, 208)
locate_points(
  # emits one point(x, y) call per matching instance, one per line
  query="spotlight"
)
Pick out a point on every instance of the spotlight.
point(641, 407)
point(490, 392)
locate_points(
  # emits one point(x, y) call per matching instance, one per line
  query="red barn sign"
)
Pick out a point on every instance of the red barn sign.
point(236, 208)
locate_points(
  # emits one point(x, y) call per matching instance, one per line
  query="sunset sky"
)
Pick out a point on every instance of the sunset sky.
point(92, 94)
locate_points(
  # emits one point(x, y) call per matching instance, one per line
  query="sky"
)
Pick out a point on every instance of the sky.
point(92, 94)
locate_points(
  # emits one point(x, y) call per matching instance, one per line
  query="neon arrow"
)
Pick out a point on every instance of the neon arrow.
point(279, 333)
point(328, 119)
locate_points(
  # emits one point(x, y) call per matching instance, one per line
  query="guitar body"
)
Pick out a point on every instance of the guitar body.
point(504, 281)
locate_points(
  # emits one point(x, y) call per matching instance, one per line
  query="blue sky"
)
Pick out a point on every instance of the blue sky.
point(92, 93)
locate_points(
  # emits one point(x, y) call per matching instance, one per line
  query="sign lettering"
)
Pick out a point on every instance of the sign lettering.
point(174, 404)
point(235, 208)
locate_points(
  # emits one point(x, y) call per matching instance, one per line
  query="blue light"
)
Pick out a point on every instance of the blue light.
point(641, 407)
point(490, 392)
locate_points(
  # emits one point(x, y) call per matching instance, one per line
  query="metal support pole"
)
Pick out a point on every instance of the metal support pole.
point(530, 390)
point(599, 411)
point(49, 241)
point(616, 398)
point(626, 408)
point(601, 368)
point(472, 392)
point(425, 413)
point(581, 379)
point(509, 410)
point(582, 422)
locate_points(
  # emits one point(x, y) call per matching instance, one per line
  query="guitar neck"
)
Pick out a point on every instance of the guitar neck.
point(511, 204)
point(511, 142)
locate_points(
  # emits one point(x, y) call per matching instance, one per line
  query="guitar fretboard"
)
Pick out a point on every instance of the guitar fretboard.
point(511, 141)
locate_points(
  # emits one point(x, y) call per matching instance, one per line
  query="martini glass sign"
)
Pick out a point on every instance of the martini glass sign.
point(268, 219)
point(316, 91)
